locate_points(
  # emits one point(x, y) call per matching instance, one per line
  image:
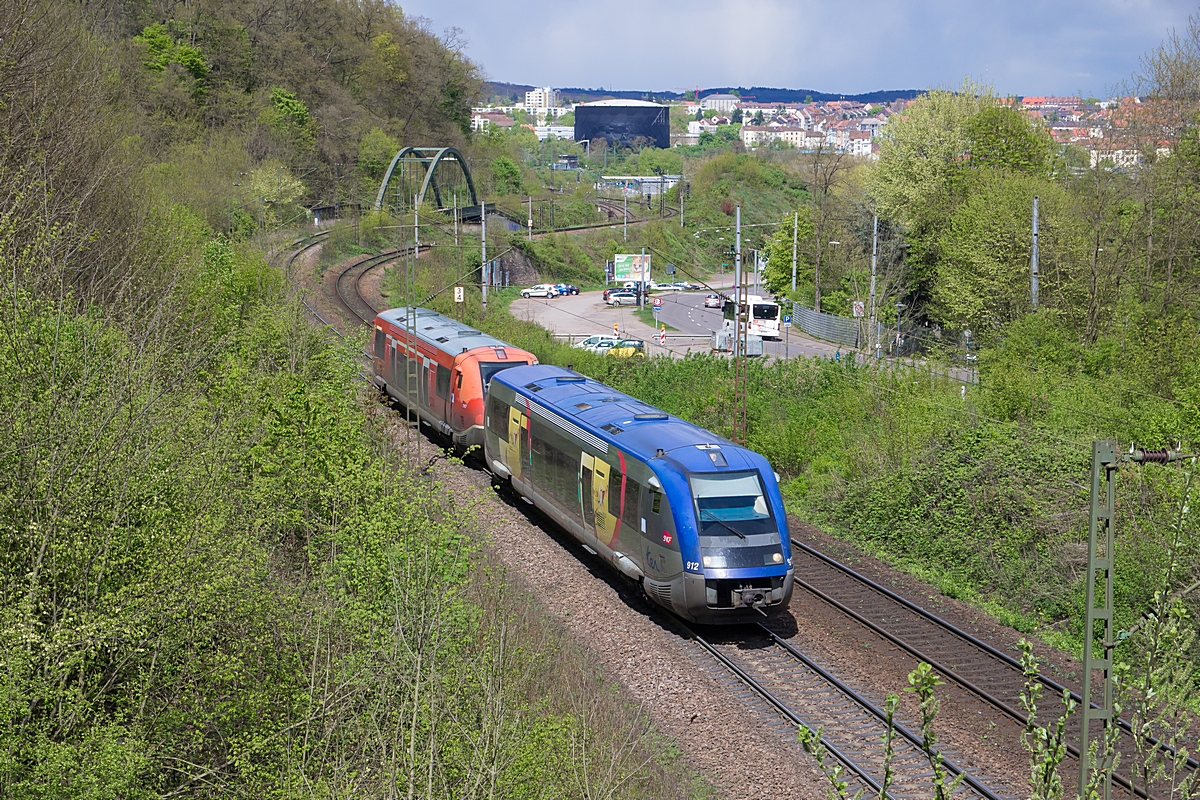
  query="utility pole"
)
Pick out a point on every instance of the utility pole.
point(681, 205)
point(416, 231)
point(643, 286)
point(456, 218)
point(531, 218)
point(795, 227)
point(1033, 260)
point(741, 343)
point(873, 334)
point(1101, 561)
point(626, 217)
point(483, 265)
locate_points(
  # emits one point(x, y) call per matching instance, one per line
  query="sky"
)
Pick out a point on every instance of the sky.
point(1024, 47)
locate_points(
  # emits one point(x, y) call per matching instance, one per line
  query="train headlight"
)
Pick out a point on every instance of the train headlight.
point(777, 558)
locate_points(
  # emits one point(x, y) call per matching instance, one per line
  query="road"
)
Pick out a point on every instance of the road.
point(579, 316)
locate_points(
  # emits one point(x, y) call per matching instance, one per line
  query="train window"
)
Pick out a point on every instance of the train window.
point(655, 501)
point(424, 386)
point(633, 494)
point(380, 336)
point(458, 384)
point(614, 492)
point(443, 383)
point(498, 417)
point(587, 495)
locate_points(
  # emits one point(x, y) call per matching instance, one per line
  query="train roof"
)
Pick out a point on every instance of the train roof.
point(444, 333)
point(625, 422)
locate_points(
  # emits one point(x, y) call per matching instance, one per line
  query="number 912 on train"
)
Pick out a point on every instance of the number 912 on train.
point(694, 518)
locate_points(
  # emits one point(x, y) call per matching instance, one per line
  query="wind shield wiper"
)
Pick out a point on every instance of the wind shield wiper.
point(713, 518)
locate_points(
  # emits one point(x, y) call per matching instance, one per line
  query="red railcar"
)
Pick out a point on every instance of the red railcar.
point(440, 368)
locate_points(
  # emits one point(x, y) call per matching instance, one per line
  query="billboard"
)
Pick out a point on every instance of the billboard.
point(631, 268)
point(623, 123)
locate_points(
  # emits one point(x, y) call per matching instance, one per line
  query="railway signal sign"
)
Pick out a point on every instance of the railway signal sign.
point(860, 308)
point(458, 294)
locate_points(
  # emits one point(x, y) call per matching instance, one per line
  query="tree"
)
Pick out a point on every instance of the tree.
point(506, 176)
point(918, 180)
point(984, 277)
point(736, 116)
point(375, 152)
point(778, 273)
point(1002, 137)
point(758, 117)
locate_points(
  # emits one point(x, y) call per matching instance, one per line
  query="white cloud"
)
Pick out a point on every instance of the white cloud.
point(1022, 47)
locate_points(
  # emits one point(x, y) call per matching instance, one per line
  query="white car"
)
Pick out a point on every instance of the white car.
point(541, 290)
point(597, 344)
point(622, 298)
point(713, 301)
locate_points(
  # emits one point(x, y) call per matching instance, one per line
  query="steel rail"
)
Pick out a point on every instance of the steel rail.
point(1000, 655)
point(781, 707)
point(950, 673)
point(875, 711)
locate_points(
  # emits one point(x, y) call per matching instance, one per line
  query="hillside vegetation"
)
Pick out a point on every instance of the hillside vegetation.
point(220, 575)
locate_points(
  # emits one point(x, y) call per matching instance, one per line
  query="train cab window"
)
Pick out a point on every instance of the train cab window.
point(633, 494)
point(443, 383)
point(458, 383)
point(380, 337)
point(614, 492)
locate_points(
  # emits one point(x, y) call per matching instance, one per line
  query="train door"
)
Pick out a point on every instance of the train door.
point(457, 415)
point(442, 390)
point(606, 522)
point(518, 424)
point(586, 466)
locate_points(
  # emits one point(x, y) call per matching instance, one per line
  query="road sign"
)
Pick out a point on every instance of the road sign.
point(658, 302)
point(458, 294)
point(670, 269)
point(787, 319)
point(860, 308)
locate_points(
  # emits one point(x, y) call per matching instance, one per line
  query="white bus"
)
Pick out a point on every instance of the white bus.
point(764, 317)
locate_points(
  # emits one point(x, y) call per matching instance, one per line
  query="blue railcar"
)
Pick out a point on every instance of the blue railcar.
point(695, 518)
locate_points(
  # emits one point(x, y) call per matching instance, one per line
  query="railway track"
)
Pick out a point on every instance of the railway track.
point(785, 678)
point(852, 727)
point(976, 666)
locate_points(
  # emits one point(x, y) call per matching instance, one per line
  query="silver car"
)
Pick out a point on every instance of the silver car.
point(597, 344)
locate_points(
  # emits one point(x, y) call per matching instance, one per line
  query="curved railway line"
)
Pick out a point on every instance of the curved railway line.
point(804, 693)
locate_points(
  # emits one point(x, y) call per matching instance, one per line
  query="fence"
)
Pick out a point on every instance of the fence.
point(849, 331)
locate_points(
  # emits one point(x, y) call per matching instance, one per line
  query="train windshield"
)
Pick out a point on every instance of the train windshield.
point(731, 504)
point(489, 368)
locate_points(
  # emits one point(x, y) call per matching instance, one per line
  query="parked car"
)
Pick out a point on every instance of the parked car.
point(623, 297)
point(566, 288)
point(665, 287)
point(541, 290)
point(628, 348)
point(712, 300)
point(597, 344)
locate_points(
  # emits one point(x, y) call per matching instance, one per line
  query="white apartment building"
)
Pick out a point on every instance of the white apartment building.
point(723, 103)
point(797, 137)
point(539, 99)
